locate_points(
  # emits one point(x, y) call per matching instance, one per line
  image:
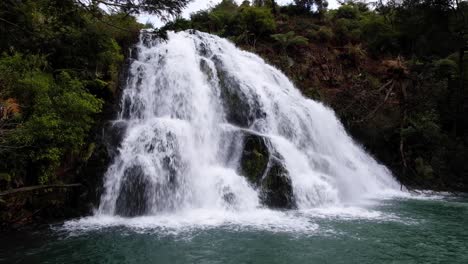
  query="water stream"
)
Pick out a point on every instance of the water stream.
point(189, 104)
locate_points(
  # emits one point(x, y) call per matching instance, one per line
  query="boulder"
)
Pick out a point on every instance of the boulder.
point(266, 172)
point(254, 159)
point(277, 191)
point(133, 196)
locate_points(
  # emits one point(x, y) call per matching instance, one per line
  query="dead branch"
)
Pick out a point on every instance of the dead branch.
point(39, 187)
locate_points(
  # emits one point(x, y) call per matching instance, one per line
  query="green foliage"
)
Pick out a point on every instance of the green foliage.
point(379, 36)
point(245, 23)
point(5, 177)
point(354, 22)
point(319, 5)
point(162, 8)
point(258, 21)
point(355, 53)
point(223, 19)
point(290, 40)
point(59, 62)
point(346, 30)
point(59, 115)
point(325, 34)
point(446, 68)
point(179, 24)
point(347, 12)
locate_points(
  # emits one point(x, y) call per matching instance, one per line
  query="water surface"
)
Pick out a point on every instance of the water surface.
point(390, 231)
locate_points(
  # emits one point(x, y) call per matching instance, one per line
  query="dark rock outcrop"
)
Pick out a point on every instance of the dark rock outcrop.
point(133, 200)
point(242, 109)
point(277, 191)
point(266, 172)
point(255, 157)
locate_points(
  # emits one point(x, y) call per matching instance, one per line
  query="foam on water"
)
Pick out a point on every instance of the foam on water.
point(200, 219)
point(183, 142)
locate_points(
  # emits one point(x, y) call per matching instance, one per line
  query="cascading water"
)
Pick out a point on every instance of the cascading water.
point(198, 112)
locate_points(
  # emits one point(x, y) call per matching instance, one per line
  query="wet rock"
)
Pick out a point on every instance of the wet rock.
point(235, 101)
point(236, 104)
point(206, 69)
point(134, 53)
point(266, 172)
point(277, 191)
point(255, 157)
point(114, 133)
point(133, 200)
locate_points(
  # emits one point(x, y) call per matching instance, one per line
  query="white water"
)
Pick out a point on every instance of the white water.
point(187, 154)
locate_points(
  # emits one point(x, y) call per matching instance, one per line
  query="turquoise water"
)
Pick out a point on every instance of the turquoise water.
point(390, 231)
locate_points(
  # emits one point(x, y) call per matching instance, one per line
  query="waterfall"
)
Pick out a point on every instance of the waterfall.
point(207, 125)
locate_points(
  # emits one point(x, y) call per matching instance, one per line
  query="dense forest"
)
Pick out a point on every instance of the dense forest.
point(394, 71)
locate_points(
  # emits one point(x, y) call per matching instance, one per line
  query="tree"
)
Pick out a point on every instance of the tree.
point(320, 5)
point(162, 8)
point(59, 63)
point(256, 22)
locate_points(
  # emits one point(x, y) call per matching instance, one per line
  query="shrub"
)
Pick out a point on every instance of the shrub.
point(446, 67)
point(347, 12)
point(379, 36)
point(258, 21)
point(59, 113)
point(289, 39)
point(325, 34)
point(354, 53)
point(344, 28)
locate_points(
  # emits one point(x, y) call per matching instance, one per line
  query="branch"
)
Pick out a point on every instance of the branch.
point(40, 187)
point(372, 113)
point(99, 19)
point(15, 25)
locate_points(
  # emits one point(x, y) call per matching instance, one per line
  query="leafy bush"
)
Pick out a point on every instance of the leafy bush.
point(325, 34)
point(354, 53)
point(290, 39)
point(346, 30)
point(379, 36)
point(258, 21)
point(57, 67)
point(59, 115)
point(446, 68)
point(347, 12)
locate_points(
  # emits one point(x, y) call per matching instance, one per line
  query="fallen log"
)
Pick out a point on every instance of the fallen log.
point(39, 187)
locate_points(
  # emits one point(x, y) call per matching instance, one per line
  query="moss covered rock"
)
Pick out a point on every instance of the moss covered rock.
point(277, 191)
point(255, 157)
point(266, 172)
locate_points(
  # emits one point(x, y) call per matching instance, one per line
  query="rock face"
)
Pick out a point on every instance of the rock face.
point(235, 101)
point(277, 187)
point(266, 172)
point(133, 200)
point(114, 134)
point(241, 110)
point(255, 157)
